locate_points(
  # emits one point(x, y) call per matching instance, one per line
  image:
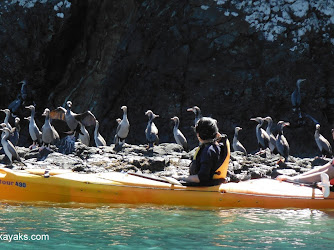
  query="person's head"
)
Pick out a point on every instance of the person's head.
point(206, 128)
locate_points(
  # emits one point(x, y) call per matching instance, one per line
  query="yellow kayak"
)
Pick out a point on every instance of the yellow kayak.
point(63, 186)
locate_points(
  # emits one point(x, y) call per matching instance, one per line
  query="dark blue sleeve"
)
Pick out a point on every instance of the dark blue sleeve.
point(206, 164)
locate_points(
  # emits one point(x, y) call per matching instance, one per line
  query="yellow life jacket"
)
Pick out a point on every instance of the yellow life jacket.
point(221, 172)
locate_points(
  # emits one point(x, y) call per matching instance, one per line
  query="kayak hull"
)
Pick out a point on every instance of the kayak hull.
point(119, 188)
point(115, 188)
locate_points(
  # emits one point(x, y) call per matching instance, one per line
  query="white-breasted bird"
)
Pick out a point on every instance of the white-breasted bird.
point(8, 147)
point(282, 144)
point(98, 138)
point(123, 127)
point(72, 119)
point(151, 130)
point(237, 146)
point(6, 121)
point(322, 143)
point(198, 113)
point(261, 135)
point(272, 141)
point(178, 136)
point(49, 133)
point(35, 133)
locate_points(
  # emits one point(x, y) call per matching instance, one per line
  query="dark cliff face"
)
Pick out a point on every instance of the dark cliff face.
point(168, 56)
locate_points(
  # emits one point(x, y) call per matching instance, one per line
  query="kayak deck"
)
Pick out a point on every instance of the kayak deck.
point(273, 188)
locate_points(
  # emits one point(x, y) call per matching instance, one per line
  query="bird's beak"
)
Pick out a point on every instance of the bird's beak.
point(190, 109)
point(156, 116)
point(287, 124)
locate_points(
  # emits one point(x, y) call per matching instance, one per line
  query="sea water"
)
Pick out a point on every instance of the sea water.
point(152, 227)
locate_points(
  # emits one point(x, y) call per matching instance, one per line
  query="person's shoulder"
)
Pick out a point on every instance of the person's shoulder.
point(211, 148)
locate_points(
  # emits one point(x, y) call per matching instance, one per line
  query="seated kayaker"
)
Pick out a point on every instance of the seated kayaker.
point(311, 176)
point(210, 162)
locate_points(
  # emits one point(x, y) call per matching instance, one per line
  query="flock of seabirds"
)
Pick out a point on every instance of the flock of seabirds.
point(77, 124)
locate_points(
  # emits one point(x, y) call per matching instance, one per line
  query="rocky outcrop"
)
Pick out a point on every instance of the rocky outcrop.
point(234, 59)
point(167, 159)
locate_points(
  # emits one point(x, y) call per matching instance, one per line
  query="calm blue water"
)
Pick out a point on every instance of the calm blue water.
point(166, 228)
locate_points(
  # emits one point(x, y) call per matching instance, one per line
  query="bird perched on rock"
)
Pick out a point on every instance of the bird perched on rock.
point(322, 143)
point(118, 120)
point(98, 138)
point(282, 144)
point(178, 136)
point(296, 100)
point(123, 127)
point(296, 96)
point(35, 133)
point(8, 147)
point(72, 119)
point(14, 138)
point(151, 130)
point(198, 114)
point(6, 121)
point(237, 146)
point(272, 141)
point(49, 133)
point(261, 135)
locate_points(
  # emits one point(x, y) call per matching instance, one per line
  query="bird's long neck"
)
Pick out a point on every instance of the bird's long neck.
point(47, 119)
point(176, 124)
point(7, 118)
point(68, 110)
point(125, 114)
point(23, 87)
point(198, 114)
point(17, 126)
point(5, 135)
point(270, 124)
point(151, 119)
point(317, 132)
point(32, 114)
point(236, 135)
point(268, 130)
point(280, 131)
